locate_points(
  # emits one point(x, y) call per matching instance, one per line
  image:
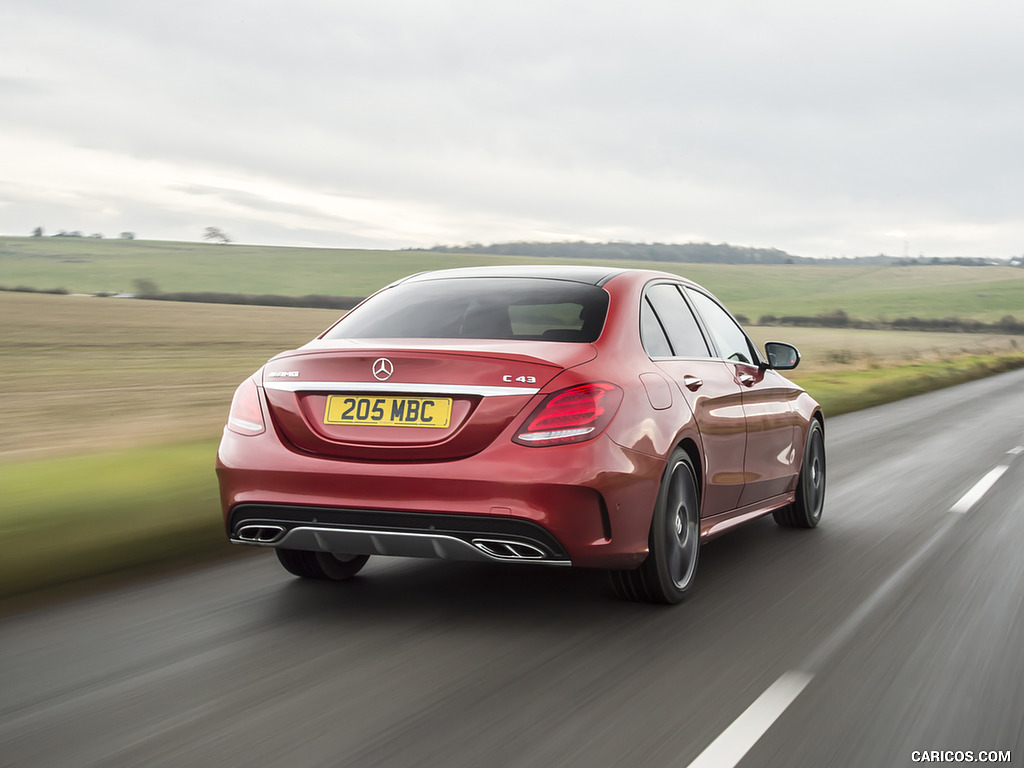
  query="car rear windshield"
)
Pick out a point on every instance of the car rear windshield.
point(480, 308)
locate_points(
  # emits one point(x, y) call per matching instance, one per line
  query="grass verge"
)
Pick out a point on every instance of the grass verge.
point(845, 391)
point(74, 518)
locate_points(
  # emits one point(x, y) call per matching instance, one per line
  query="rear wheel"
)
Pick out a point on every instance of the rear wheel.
point(805, 511)
point(321, 565)
point(667, 575)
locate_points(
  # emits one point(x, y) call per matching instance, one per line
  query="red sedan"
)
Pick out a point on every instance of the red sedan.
point(584, 416)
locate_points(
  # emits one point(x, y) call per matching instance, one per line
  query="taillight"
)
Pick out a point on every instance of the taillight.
point(571, 416)
point(246, 416)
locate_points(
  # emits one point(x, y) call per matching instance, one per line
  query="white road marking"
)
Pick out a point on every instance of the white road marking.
point(736, 740)
point(1015, 451)
point(980, 488)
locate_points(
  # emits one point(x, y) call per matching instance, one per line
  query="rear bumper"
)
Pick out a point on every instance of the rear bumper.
point(587, 504)
point(372, 532)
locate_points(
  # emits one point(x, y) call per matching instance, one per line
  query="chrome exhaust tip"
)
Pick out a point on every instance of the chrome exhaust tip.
point(509, 550)
point(259, 534)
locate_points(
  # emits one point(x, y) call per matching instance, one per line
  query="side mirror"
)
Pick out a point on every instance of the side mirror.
point(782, 356)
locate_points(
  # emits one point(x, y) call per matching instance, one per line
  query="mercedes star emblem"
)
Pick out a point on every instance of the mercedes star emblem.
point(383, 368)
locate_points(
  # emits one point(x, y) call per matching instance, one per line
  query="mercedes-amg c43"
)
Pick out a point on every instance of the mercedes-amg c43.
point(569, 416)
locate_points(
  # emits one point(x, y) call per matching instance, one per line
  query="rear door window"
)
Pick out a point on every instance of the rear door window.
point(651, 332)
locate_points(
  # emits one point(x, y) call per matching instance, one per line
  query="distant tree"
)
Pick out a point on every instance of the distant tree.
point(127, 235)
point(37, 232)
point(216, 235)
point(145, 287)
point(97, 235)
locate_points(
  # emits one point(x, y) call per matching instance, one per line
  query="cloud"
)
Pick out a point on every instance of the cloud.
point(814, 128)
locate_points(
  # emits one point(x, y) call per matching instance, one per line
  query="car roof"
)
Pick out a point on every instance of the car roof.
point(593, 275)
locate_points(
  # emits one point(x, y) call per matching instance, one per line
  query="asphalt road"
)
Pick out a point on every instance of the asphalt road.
point(896, 627)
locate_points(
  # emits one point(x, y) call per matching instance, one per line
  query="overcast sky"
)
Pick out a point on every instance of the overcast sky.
point(821, 128)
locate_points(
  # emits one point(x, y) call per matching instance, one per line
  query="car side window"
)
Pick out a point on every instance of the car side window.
point(681, 326)
point(652, 334)
point(730, 339)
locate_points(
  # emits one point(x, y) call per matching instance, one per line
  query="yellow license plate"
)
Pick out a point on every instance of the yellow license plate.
point(355, 410)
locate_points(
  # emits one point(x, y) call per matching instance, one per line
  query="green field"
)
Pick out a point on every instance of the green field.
point(85, 374)
point(864, 292)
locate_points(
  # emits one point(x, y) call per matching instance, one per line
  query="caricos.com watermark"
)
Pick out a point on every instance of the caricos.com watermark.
point(960, 756)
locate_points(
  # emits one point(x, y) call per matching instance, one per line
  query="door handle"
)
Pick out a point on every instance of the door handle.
point(746, 379)
point(692, 383)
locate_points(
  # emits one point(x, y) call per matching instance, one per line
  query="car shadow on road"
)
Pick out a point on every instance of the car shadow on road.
point(388, 588)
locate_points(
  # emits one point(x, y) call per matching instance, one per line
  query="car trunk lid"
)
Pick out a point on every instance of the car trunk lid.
point(356, 399)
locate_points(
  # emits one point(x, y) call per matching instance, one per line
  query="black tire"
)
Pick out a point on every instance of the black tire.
point(321, 565)
point(667, 575)
point(805, 511)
